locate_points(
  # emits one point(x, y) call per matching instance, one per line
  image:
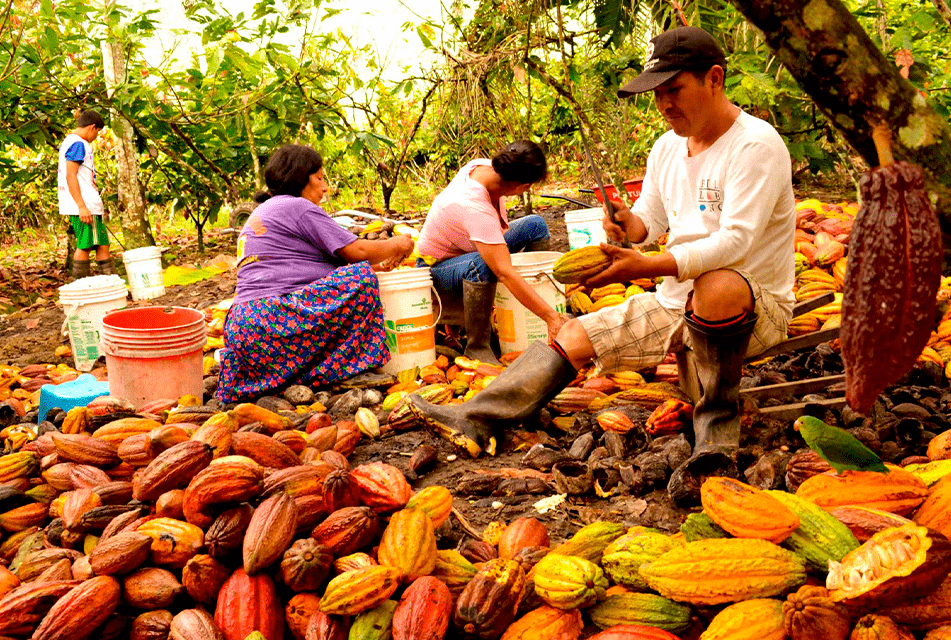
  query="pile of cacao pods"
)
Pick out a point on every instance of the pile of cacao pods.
point(177, 520)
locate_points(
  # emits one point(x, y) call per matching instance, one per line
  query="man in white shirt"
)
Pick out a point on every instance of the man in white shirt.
point(79, 196)
point(720, 184)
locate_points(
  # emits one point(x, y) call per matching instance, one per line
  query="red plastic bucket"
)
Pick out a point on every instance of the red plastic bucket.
point(633, 188)
point(153, 352)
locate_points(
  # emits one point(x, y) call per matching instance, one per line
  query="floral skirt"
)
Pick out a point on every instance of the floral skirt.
point(330, 330)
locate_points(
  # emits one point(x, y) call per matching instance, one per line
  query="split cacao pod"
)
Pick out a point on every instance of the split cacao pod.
point(424, 611)
point(896, 239)
point(249, 603)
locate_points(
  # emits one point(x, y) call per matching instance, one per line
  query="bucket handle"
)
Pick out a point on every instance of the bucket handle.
point(438, 316)
point(551, 280)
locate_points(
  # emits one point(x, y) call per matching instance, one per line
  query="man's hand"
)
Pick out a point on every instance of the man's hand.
point(627, 265)
point(554, 325)
point(84, 215)
point(622, 214)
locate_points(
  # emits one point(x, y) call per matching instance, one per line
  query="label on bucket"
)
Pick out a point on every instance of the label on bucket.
point(406, 335)
point(505, 324)
point(84, 339)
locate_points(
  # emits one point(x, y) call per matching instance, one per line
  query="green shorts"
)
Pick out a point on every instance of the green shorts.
point(90, 235)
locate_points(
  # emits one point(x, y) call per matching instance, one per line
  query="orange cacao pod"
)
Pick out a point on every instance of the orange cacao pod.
point(298, 611)
point(810, 614)
point(25, 606)
point(249, 603)
point(229, 479)
point(76, 615)
point(202, 578)
point(546, 623)
point(23, 518)
point(118, 430)
point(150, 588)
point(296, 441)
point(383, 487)
point(120, 554)
point(897, 491)
point(264, 450)
point(435, 501)
point(523, 532)
point(409, 544)
point(296, 481)
point(346, 530)
point(173, 542)
point(270, 532)
point(340, 490)
point(424, 611)
point(217, 436)
point(323, 627)
point(353, 561)
point(77, 503)
point(745, 511)
point(85, 449)
point(169, 504)
point(136, 450)
point(84, 476)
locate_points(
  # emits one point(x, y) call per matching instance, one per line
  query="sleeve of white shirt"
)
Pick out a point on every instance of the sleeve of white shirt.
point(756, 178)
point(649, 206)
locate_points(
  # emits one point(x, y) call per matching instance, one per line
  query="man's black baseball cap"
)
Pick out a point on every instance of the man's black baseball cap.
point(680, 49)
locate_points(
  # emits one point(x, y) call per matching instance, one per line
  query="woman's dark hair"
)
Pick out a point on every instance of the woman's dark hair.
point(289, 170)
point(521, 162)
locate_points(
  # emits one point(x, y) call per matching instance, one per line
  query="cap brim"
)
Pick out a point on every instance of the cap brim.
point(647, 81)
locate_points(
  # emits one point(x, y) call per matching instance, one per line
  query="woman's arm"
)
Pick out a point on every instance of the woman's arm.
point(392, 250)
point(499, 260)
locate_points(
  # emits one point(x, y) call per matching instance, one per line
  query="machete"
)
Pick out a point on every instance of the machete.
point(597, 178)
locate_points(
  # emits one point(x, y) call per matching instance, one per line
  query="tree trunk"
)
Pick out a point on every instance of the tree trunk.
point(856, 87)
point(135, 226)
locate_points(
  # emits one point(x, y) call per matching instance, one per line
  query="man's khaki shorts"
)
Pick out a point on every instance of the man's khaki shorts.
point(639, 332)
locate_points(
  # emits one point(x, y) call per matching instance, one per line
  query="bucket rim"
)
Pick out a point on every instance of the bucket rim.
point(592, 213)
point(198, 317)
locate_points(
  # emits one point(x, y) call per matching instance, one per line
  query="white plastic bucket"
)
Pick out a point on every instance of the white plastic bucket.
point(144, 268)
point(85, 302)
point(154, 352)
point(585, 228)
point(408, 318)
point(517, 326)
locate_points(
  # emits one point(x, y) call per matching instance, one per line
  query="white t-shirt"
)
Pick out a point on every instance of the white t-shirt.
point(729, 207)
point(75, 149)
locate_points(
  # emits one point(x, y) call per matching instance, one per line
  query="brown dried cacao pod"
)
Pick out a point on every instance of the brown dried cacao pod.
point(323, 627)
point(226, 533)
point(195, 624)
point(269, 533)
point(61, 570)
point(310, 510)
point(174, 468)
point(120, 554)
point(203, 577)
point(99, 518)
point(306, 565)
point(114, 492)
point(76, 615)
point(121, 522)
point(810, 614)
point(150, 588)
point(802, 466)
point(152, 625)
point(488, 603)
point(346, 530)
point(477, 550)
point(36, 562)
point(298, 612)
point(895, 240)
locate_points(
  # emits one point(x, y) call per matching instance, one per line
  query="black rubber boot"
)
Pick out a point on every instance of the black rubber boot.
point(524, 387)
point(539, 245)
point(106, 267)
point(478, 299)
point(716, 416)
point(80, 268)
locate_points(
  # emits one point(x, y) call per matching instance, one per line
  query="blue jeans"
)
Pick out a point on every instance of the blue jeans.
point(449, 274)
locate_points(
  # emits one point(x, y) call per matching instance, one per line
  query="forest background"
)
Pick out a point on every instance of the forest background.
point(194, 127)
